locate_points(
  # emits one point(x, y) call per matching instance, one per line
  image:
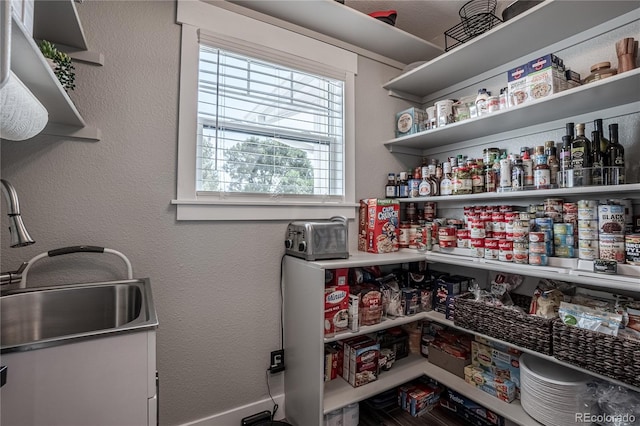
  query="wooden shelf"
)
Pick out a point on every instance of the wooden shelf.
point(622, 89)
point(32, 69)
point(543, 25)
point(341, 22)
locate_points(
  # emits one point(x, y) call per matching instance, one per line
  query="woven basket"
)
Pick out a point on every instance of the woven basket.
point(610, 356)
point(527, 331)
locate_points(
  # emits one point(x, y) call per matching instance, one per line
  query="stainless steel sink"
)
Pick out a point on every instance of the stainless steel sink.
point(45, 316)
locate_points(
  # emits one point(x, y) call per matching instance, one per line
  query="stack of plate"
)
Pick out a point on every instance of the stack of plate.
point(551, 393)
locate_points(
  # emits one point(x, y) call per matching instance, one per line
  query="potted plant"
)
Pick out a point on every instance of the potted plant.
point(61, 64)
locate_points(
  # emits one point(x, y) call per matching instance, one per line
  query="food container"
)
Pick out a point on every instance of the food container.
point(410, 121)
point(611, 247)
point(600, 71)
point(632, 249)
point(611, 219)
point(540, 81)
point(444, 112)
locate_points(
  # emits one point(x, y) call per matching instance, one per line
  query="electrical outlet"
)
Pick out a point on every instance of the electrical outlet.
point(277, 361)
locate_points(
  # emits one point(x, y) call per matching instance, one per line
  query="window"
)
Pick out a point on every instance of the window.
point(264, 133)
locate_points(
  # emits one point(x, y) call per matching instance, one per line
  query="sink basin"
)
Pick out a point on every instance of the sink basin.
point(45, 316)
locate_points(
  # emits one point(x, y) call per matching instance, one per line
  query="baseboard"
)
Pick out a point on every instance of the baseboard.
point(234, 416)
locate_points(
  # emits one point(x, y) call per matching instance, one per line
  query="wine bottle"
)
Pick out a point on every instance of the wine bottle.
point(596, 159)
point(581, 157)
point(614, 158)
point(597, 124)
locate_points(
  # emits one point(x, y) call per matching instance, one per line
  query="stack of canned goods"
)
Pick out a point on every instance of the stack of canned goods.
point(588, 230)
point(611, 226)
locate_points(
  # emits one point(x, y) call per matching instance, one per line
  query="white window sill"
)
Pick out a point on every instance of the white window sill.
point(239, 211)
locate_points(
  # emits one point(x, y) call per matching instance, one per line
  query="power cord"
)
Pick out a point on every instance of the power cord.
point(275, 405)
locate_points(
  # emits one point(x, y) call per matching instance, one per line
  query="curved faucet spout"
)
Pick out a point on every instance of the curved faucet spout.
point(19, 235)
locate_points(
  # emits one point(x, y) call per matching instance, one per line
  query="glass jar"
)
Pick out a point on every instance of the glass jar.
point(477, 178)
point(599, 71)
point(462, 182)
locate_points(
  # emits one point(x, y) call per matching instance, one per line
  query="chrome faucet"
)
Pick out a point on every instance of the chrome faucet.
point(19, 235)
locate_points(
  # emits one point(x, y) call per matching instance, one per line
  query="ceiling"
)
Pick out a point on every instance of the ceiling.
point(425, 19)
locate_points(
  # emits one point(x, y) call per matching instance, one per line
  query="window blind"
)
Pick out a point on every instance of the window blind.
point(266, 129)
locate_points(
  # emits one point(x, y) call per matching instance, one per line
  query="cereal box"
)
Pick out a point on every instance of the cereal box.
point(363, 219)
point(383, 216)
point(540, 79)
point(517, 85)
point(336, 309)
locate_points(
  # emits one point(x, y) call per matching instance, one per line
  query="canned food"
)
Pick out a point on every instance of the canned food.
point(491, 248)
point(538, 259)
point(537, 237)
point(632, 249)
point(611, 247)
point(587, 213)
point(511, 216)
point(538, 247)
point(587, 253)
point(562, 229)
point(542, 223)
point(569, 208)
point(463, 238)
point(429, 210)
point(499, 234)
point(504, 209)
point(447, 236)
point(611, 219)
point(520, 256)
point(587, 203)
point(553, 208)
point(564, 251)
point(413, 233)
point(478, 232)
point(604, 266)
point(564, 240)
point(505, 250)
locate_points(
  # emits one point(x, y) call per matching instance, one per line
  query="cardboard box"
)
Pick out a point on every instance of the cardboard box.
point(332, 362)
point(346, 353)
point(410, 121)
point(333, 277)
point(363, 219)
point(364, 362)
point(423, 398)
point(517, 85)
point(336, 309)
point(503, 389)
point(445, 287)
point(540, 79)
point(502, 364)
point(382, 222)
point(448, 362)
point(475, 408)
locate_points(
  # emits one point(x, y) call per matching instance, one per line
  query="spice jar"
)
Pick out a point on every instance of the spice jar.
point(599, 71)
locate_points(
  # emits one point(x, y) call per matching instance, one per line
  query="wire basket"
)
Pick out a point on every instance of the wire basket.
point(476, 26)
point(477, 16)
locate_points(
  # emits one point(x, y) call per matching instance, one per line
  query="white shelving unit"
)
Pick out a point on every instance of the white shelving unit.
point(28, 63)
point(543, 25)
point(341, 22)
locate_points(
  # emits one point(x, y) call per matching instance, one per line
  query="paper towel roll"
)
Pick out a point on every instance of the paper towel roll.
point(22, 116)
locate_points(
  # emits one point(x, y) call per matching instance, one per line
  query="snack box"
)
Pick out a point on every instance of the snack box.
point(363, 216)
point(540, 79)
point(338, 276)
point(346, 353)
point(332, 362)
point(503, 389)
point(423, 398)
point(382, 222)
point(502, 364)
point(447, 286)
point(460, 401)
point(336, 309)
point(410, 121)
point(517, 85)
point(363, 362)
point(370, 305)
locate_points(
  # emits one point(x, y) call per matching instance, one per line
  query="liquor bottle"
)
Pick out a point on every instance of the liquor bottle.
point(570, 130)
point(527, 164)
point(446, 184)
point(597, 124)
point(596, 159)
point(566, 169)
point(390, 187)
point(614, 157)
point(435, 176)
point(581, 157)
point(552, 161)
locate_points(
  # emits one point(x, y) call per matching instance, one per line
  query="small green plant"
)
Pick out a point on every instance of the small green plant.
point(64, 70)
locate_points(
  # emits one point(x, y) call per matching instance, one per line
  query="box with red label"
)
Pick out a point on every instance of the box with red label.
point(382, 222)
point(363, 362)
point(423, 398)
point(346, 352)
point(338, 276)
point(503, 389)
point(362, 225)
point(502, 364)
point(461, 404)
point(540, 79)
point(336, 309)
point(370, 304)
point(332, 361)
point(517, 85)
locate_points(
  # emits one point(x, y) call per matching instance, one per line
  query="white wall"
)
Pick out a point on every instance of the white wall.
point(215, 284)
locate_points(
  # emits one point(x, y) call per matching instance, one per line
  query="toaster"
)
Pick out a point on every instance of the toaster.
point(325, 239)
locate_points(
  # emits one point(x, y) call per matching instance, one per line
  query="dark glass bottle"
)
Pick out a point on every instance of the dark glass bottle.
point(552, 161)
point(581, 157)
point(597, 124)
point(597, 161)
point(566, 172)
point(614, 157)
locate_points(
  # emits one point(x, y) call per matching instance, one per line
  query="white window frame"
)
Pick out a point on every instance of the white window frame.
point(252, 36)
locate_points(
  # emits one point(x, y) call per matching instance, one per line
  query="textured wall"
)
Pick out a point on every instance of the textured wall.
point(215, 285)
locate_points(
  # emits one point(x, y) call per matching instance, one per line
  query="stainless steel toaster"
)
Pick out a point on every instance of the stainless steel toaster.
point(325, 239)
